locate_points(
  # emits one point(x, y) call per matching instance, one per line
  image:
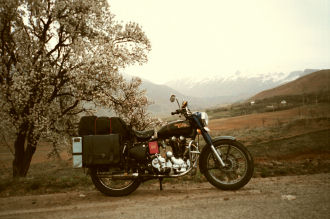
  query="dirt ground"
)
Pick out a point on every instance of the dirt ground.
point(304, 196)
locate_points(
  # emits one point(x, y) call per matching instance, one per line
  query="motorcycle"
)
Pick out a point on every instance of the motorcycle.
point(118, 165)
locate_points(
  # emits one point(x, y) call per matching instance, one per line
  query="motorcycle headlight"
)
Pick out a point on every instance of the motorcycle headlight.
point(205, 119)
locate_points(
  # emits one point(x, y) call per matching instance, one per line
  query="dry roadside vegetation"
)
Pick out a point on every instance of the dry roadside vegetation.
point(288, 142)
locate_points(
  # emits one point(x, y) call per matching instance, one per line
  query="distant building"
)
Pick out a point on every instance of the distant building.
point(252, 102)
point(283, 102)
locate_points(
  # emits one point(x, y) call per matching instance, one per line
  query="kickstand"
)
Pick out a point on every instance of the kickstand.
point(161, 184)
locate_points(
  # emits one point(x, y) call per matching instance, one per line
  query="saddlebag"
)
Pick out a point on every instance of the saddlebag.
point(101, 150)
point(87, 125)
point(92, 125)
point(118, 126)
point(103, 126)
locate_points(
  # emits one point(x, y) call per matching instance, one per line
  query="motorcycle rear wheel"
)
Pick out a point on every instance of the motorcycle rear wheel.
point(111, 187)
point(239, 165)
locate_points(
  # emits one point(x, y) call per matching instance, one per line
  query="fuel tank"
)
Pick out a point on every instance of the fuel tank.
point(176, 128)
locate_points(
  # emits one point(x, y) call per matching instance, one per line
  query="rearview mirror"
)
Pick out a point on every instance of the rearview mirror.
point(172, 98)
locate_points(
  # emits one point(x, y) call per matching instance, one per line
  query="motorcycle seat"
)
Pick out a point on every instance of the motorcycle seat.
point(144, 134)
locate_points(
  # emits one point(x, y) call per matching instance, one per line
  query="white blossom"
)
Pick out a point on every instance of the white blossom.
point(58, 54)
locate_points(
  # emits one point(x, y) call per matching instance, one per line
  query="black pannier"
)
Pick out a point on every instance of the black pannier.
point(103, 126)
point(101, 150)
point(87, 125)
point(118, 126)
point(92, 125)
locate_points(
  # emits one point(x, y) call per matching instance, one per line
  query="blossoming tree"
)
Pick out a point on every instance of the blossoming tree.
point(56, 55)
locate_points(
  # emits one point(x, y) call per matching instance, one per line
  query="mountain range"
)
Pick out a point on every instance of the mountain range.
point(210, 92)
point(238, 86)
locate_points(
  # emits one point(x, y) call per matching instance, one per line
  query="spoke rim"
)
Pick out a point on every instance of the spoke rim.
point(113, 184)
point(236, 165)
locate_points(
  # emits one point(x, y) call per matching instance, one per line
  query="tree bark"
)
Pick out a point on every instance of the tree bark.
point(23, 155)
point(29, 151)
point(19, 152)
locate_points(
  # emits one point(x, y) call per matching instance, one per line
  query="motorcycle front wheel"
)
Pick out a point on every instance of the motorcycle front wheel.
point(112, 187)
point(238, 169)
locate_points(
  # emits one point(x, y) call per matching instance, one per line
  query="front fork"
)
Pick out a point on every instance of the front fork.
point(208, 140)
point(217, 155)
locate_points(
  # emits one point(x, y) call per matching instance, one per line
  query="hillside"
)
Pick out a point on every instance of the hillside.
point(312, 83)
point(159, 95)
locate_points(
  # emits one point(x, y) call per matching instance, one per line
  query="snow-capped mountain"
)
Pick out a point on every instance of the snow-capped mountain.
point(210, 92)
point(235, 87)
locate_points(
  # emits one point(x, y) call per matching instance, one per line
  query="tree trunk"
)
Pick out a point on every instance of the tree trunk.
point(29, 151)
point(23, 155)
point(19, 153)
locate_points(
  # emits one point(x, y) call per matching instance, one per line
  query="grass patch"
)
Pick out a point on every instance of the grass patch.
point(45, 178)
point(291, 167)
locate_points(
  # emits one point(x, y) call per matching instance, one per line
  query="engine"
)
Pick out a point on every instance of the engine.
point(174, 160)
point(162, 165)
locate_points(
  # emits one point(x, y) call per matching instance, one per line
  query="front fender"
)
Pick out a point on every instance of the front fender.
point(218, 138)
point(206, 147)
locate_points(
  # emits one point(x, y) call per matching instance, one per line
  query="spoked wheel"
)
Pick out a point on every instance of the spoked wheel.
point(112, 187)
point(238, 169)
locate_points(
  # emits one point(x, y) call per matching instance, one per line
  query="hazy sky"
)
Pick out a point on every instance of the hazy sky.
point(206, 38)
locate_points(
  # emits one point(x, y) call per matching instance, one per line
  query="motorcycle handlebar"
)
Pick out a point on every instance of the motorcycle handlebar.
point(176, 112)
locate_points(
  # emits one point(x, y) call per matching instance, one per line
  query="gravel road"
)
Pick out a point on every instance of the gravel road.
point(306, 196)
